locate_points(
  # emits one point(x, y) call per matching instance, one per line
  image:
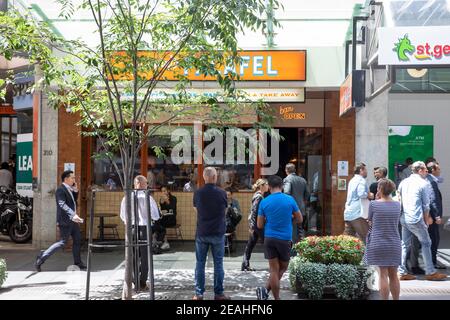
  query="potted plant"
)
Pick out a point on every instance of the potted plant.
point(329, 267)
point(3, 273)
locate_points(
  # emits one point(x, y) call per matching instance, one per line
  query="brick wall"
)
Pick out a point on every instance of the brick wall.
point(69, 151)
point(342, 148)
point(109, 202)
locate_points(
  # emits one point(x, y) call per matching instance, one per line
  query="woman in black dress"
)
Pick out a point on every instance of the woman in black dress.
point(168, 205)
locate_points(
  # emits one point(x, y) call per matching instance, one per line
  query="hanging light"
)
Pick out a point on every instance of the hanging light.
point(417, 73)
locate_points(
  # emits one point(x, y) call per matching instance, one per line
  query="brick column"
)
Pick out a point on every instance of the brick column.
point(342, 149)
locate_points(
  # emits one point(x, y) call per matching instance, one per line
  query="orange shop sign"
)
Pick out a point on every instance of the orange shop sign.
point(352, 92)
point(345, 95)
point(7, 110)
point(260, 65)
point(288, 113)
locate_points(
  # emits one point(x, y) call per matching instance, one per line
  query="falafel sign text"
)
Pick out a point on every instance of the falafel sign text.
point(264, 65)
point(414, 45)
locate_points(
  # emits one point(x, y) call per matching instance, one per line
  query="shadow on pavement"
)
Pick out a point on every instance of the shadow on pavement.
point(32, 285)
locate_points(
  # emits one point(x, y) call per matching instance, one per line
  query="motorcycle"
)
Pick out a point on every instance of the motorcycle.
point(16, 215)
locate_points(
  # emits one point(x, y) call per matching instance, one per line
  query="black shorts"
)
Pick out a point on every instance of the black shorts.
point(275, 248)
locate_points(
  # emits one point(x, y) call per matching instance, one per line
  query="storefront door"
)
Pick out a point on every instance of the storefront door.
point(304, 147)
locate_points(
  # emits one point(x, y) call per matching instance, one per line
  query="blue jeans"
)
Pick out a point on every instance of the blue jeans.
point(420, 230)
point(202, 245)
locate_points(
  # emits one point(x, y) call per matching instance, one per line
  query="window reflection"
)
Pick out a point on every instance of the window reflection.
point(161, 170)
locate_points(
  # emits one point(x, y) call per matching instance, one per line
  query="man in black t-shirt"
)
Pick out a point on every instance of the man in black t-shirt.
point(210, 203)
point(379, 173)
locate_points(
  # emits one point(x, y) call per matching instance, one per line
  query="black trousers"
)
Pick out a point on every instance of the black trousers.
point(140, 256)
point(159, 229)
point(255, 235)
point(433, 231)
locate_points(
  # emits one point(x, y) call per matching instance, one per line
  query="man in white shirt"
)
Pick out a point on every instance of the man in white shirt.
point(358, 191)
point(140, 183)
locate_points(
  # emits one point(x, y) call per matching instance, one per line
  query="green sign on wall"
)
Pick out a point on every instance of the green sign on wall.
point(24, 165)
point(414, 142)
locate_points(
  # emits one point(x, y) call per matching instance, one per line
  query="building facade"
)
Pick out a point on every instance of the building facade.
point(405, 59)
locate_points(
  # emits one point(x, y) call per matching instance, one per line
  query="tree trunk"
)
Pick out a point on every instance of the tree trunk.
point(127, 293)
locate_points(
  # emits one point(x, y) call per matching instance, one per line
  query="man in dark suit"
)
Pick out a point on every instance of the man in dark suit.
point(434, 171)
point(379, 173)
point(297, 187)
point(67, 220)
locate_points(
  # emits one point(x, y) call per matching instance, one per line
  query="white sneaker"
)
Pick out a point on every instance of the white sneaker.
point(165, 246)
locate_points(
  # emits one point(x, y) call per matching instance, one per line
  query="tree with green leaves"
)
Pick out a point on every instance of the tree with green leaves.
point(141, 44)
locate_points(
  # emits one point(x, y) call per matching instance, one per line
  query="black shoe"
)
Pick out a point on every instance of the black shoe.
point(81, 265)
point(245, 267)
point(418, 271)
point(38, 262)
point(143, 286)
point(37, 265)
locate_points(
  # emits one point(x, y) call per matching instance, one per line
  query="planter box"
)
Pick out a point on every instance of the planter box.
point(329, 291)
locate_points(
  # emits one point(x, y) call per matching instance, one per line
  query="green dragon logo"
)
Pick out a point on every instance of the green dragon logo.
point(404, 45)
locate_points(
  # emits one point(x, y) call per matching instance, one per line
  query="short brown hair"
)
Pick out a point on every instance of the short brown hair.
point(290, 168)
point(386, 186)
point(359, 166)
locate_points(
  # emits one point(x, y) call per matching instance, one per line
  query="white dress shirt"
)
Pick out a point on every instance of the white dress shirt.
point(69, 188)
point(143, 221)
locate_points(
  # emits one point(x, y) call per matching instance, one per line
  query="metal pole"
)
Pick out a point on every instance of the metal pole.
point(354, 41)
point(137, 285)
point(355, 23)
point(347, 47)
point(91, 229)
point(150, 276)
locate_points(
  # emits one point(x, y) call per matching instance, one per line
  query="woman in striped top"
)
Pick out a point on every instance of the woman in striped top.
point(383, 244)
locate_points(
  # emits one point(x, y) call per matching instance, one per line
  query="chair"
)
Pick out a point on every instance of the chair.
point(228, 239)
point(113, 234)
point(175, 233)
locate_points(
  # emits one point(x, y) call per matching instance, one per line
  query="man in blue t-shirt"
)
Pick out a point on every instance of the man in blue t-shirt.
point(275, 215)
point(210, 203)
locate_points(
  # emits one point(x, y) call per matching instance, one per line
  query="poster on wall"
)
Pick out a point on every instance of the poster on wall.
point(405, 142)
point(24, 165)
